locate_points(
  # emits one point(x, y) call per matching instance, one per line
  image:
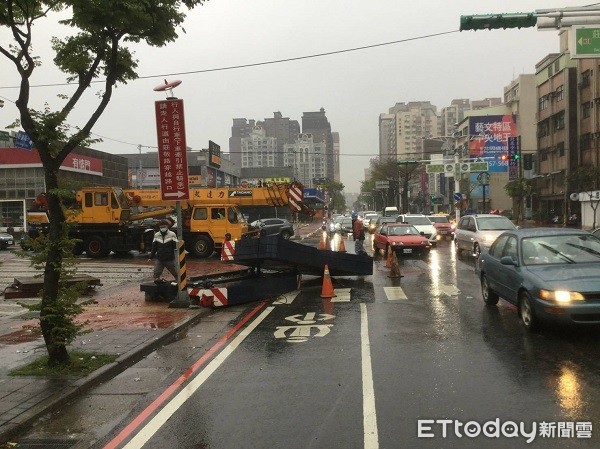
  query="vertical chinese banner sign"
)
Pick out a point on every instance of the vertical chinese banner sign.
point(172, 156)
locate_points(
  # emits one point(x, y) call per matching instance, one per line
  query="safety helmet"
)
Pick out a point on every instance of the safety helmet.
point(354, 215)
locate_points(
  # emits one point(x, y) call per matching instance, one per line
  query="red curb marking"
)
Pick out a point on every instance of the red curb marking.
point(160, 400)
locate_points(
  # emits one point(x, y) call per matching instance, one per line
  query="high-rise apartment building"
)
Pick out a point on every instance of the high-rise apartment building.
point(284, 130)
point(412, 123)
point(241, 128)
point(336, 156)
point(307, 157)
point(387, 135)
point(258, 150)
point(316, 123)
point(453, 114)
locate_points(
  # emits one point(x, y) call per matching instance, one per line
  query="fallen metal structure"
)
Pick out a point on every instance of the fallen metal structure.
point(275, 268)
point(28, 287)
point(276, 253)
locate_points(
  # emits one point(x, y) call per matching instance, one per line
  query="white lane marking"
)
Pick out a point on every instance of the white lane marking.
point(341, 295)
point(287, 298)
point(144, 435)
point(449, 290)
point(394, 293)
point(371, 437)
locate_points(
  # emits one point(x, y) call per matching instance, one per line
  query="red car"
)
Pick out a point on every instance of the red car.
point(402, 238)
point(443, 227)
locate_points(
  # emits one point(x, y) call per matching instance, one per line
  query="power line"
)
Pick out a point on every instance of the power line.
point(256, 64)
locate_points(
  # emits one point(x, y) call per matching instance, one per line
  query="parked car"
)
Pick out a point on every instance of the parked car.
point(273, 226)
point(422, 223)
point(476, 233)
point(442, 225)
point(548, 273)
point(596, 232)
point(403, 238)
point(6, 240)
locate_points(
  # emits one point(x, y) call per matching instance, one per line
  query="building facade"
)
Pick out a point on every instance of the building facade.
point(317, 124)
point(258, 150)
point(308, 159)
point(557, 145)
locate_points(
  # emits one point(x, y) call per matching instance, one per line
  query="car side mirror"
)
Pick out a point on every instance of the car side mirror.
point(507, 260)
point(422, 233)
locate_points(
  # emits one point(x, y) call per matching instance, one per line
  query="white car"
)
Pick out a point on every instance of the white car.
point(422, 223)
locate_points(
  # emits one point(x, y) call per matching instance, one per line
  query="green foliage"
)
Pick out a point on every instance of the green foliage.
point(81, 364)
point(584, 178)
point(62, 312)
point(518, 188)
point(335, 189)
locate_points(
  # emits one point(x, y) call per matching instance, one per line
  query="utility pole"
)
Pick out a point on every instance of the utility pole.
point(139, 176)
point(456, 183)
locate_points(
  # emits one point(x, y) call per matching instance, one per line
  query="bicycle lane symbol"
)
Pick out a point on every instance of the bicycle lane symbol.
point(307, 326)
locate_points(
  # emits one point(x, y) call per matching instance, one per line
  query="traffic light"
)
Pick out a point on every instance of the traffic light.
point(514, 148)
point(504, 157)
point(494, 21)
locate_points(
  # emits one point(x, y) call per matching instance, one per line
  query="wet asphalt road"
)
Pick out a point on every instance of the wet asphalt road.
point(313, 373)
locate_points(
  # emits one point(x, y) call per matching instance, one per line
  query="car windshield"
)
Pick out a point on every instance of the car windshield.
point(402, 230)
point(494, 223)
point(419, 221)
point(561, 249)
point(439, 219)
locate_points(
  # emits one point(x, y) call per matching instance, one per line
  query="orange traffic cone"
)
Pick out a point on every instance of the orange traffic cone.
point(323, 242)
point(327, 290)
point(388, 260)
point(341, 246)
point(395, 268)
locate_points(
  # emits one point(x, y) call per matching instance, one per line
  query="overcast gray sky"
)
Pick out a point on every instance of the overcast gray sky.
point(353, 87)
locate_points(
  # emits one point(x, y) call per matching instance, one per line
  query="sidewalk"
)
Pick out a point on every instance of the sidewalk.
point(122, 323)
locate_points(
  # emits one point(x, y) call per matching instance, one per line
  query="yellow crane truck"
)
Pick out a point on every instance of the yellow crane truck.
point(109, 219)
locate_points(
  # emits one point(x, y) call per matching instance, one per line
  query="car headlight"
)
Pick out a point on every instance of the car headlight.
point(561, 295)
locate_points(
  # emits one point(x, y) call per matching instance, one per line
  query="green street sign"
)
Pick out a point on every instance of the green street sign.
point(585, 42)
point(434, 168)
point(479, 166)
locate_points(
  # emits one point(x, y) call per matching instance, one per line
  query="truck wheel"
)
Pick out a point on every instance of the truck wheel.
point(96, 247)
point(202, 246)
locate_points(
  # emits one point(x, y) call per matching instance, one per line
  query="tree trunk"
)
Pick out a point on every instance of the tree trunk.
point(57, 351)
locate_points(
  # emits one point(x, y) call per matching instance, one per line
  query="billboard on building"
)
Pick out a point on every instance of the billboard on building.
point(488, 136)
point(21, 158)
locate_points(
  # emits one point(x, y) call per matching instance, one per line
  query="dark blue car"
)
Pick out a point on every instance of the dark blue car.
point(550, 274)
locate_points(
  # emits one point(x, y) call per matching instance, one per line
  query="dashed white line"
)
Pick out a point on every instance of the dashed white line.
point(394, 293)
point(371, 436)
